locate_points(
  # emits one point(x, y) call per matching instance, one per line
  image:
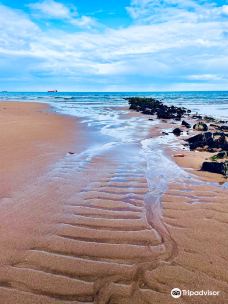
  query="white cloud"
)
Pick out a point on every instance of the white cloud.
point(205, 77)
point(53, 9)
point(50, 9)
point(156, 11)
point(171, 54)
point(225, 9)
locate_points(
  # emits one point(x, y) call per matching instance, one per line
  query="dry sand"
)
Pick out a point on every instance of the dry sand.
point(88, 234)
point(31, 138)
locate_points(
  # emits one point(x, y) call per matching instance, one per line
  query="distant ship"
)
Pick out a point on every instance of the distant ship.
point(52, 91)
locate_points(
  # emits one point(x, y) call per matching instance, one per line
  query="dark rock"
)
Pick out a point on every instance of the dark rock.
point(186, 124)
point(200, 137)
point(211, 140)
point(223, 128)
point(200, 140)
point(71, 153)
point(220, 155)
point(200, 127)
point(209, 119)
point(197, 117)
point(165, 133)
point(152, 106)
point(147, 111)
point(215, 126)
point(213, 167)
point(222, 121)
point(177, 131)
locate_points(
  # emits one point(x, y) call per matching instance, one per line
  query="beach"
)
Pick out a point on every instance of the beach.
point(95, 209)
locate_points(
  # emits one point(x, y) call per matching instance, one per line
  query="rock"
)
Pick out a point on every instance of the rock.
point(220, 155)
point(186, 124)
point(151, 106)
point(209, 119)
point(197, 117)
point(214, 126)
point(209, 140)
point(177, 131)
point(213, 167)
point(223, 128)
point(71, 153)
point(147, 111)
point(165, 133)
point(200, 127)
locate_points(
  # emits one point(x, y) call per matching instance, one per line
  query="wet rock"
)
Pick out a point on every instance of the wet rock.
point(186, 124)
point(71, 153)
point(223, 128)
point(209, 119)
point(165, 133)
point(213, 167)
point(177, 131)
point(215, 126)
point(147, 111)
point(209, 140)
point(200, 127)
point(152, 106)
point(197, 117)
point(220, 128)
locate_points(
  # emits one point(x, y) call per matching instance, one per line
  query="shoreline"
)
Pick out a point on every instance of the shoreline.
point(189, 130)
point(96, 231)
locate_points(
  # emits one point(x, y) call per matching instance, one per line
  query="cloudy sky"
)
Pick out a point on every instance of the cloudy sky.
point(113, 45)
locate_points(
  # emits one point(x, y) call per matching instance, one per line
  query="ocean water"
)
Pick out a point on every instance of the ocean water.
point(85, 104)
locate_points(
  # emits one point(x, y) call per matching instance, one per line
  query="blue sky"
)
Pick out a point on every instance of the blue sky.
point(109, 45)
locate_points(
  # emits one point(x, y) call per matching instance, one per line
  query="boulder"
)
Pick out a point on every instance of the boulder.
point(186, 124)
point(200, 126)
point(213, 167)
point(177, 131)
point(223, 128)
point(212, 141)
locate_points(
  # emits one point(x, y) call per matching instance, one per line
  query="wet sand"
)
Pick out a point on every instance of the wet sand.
point(91, 231)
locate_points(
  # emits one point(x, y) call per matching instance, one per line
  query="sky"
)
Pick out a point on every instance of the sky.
point(114, 45)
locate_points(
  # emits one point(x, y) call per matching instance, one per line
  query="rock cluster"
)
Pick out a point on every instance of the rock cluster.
point(216, 141)
point(151, 106)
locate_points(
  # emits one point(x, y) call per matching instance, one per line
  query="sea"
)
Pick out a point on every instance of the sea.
point(126, 137)
point(82, 104)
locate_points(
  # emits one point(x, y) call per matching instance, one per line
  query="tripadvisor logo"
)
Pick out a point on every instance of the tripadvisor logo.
point(176, 293)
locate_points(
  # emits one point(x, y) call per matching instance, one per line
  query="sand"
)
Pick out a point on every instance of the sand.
point(88, 232)
point(31, 138)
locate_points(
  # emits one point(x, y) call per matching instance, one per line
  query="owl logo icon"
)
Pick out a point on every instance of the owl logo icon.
point(176, 293)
